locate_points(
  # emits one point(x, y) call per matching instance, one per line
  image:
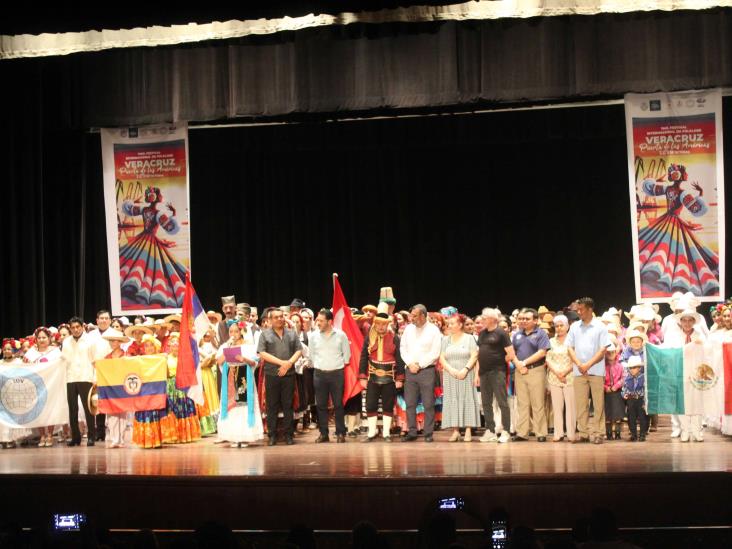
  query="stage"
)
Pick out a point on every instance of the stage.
point(331, 486)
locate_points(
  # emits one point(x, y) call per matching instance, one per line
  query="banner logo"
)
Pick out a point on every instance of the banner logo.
point(23, 398)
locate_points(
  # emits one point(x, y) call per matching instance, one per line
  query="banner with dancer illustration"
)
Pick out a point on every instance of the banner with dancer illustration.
point(676, 193)
point(148, 229)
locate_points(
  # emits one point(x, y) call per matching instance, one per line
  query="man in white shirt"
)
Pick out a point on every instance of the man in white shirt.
point(330, 352)
point(78, 353)
point(420, 348)
point(101, 349)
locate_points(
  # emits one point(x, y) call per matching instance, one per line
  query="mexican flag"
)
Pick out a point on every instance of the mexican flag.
point(689, 380)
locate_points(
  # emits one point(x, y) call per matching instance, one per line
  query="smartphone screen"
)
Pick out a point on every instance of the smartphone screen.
point(451, 503)
point(68, 523)
point(499, 535)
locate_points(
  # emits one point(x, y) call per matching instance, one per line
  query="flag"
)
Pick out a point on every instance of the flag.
point(683, 380)
point(131, 384)
point(193, 324)
point(33, 395)
point(727, 373)
point(721, 361)
point(343, 320)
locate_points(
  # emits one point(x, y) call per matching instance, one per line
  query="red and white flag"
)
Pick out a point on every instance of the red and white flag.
point(343, 320)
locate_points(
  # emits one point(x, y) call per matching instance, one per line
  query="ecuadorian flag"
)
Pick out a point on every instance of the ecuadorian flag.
point(131, 384)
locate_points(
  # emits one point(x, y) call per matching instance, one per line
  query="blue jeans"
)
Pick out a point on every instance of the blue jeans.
point(329, 384)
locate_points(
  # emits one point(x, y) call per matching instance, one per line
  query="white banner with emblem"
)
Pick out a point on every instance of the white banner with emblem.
point(33, 395)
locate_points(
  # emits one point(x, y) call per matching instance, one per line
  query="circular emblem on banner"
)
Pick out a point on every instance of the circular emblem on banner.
point(703, 378)
point(132, 384)
point(23, 396)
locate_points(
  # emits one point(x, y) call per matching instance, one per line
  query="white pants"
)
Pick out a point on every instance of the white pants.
point(675, 423)
point(691, 425)
point(116, 427)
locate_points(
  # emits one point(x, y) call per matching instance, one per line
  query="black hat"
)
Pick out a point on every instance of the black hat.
point(299, 303)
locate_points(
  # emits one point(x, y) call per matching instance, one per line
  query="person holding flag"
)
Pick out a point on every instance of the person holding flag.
point(116, 423)
point(687, 331)
point(343, 320)
point(194, 323)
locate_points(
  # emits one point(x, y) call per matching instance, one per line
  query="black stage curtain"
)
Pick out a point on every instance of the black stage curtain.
point(395, 66)
point(508, 209)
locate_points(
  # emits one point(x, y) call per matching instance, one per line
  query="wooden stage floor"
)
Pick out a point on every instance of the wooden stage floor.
point(331, 486)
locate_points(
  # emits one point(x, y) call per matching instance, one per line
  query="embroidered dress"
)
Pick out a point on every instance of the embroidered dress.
point(671, 257)
point(234, 424)
point(149, 273)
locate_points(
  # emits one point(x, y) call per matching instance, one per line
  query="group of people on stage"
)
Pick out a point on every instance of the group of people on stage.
point(574, 375)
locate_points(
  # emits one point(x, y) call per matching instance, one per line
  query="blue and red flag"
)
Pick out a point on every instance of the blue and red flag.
point(193, 324)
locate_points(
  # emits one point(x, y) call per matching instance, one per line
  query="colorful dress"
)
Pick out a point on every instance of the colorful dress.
point(180, 424)
point(149, 273)
point(210, 409)
point(671, 257)
point(235, 424)
point(146, 431)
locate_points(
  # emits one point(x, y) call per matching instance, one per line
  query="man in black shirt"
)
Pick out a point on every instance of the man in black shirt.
point(494, 345)
point(279, 348)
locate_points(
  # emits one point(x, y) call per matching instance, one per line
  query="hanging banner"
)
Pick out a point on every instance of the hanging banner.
point(148, 230)
point(34, 395)
point(676, 193)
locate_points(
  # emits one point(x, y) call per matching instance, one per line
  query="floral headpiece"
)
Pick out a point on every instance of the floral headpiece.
point(677, 172)
point(14, 343)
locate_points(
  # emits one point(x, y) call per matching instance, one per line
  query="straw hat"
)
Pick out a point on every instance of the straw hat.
point(130, 330)
point(686, 313)
point(214, 317)
point(630, 334)
point(635, 361)
point(115, 335)
point(92, 400)
point(152, 339)
point(172, 318)
point(367, 308)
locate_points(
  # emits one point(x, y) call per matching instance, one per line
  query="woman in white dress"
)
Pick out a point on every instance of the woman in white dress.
point(43, 351)
point(238, 390)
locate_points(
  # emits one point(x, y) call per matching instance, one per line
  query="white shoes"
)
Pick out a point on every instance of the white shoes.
point(684, 436)
point(698, 437)
point(504, 437)
point(489, 436)
point(675, 433)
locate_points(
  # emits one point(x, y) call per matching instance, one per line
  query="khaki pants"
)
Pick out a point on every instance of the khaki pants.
point(563, 405)
point(583, 386)
point(530, 391)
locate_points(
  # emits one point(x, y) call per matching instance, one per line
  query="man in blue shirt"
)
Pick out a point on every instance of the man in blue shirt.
point(530, 344)
point(587, 341)
point(330, 352)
